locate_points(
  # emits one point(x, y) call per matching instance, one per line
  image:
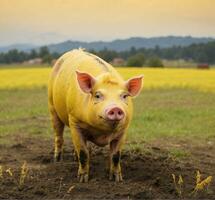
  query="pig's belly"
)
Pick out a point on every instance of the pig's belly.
point(98, 139)
point(101, 140)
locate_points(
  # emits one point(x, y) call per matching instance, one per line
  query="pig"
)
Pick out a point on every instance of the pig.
point(89, 96)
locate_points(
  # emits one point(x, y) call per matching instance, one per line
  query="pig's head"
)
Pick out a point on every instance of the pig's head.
point(110, 99)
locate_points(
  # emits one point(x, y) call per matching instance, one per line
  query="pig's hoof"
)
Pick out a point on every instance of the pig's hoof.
point(83, 178)
point(58, 157)
point(116, 176)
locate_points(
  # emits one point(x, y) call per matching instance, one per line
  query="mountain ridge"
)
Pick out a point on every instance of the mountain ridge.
point(117, 45)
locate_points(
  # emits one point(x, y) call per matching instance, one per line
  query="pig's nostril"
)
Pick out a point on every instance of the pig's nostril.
point(111, 113)
point(119, 112)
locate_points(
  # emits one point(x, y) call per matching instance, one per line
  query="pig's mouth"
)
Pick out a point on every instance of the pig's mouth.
point(112, 123)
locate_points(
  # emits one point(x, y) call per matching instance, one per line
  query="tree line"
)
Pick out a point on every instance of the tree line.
point(16, 56)
point(199, 53)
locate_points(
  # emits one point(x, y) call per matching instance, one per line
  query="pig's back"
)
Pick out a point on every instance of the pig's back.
point(63, 84)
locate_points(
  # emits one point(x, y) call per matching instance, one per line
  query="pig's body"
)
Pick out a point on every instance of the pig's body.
point(66, 97)
point(71, 104)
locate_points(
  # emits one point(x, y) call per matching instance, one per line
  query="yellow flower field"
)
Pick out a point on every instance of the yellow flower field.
point(203, 80)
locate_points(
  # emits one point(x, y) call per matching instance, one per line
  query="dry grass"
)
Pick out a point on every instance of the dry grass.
point(178, 184)
point(20, 182)
point(200, 185)
point(23, 174)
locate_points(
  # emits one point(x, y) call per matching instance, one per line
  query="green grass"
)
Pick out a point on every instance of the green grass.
point(178, 153)
point(174, 112)
point(158, 113)
point(24, 112)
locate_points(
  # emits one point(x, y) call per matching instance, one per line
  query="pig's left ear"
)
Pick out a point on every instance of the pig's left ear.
point(134, 85)
point(85, 81)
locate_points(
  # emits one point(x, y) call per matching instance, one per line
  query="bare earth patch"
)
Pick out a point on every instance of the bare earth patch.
point(147, 173)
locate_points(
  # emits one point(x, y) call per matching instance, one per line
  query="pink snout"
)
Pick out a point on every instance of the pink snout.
point(115, 114)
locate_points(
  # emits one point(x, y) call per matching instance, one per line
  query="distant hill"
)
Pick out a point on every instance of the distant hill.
point(126, 44)
point(117, 45)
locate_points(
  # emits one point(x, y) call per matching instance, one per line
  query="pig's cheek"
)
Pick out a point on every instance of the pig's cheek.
point(125, 101)
point(99, 109)
point(127, 114)
point(95, 113)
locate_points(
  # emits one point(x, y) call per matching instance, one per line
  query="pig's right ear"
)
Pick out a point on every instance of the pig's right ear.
point(85, 81)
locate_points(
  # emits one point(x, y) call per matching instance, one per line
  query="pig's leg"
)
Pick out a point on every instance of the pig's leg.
point(82, 152)
point(115, 157)
point(58, 129)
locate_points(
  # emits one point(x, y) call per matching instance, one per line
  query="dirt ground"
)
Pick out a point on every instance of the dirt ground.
point(147, 174)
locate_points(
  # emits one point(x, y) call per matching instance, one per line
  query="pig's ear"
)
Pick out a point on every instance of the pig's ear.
point(85, 81)
point(134, 85)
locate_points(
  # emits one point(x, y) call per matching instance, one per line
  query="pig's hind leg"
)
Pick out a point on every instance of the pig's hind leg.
point(58, 126)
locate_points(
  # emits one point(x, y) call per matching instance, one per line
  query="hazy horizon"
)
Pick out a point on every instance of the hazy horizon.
point(24, 43)
point(42, 22)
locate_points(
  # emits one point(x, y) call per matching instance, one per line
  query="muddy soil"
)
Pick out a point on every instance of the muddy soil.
point(147, 174)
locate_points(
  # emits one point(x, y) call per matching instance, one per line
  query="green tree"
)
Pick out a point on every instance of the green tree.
point(154, 62)
point(47, 58)
point(45, 54)
point(55, 55)
point(33, 54)
point(136, 61)
point(107, 55)
point(43, 51)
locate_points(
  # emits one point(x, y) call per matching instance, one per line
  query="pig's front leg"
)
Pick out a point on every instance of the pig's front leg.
point(115, 158)
point(82, 153)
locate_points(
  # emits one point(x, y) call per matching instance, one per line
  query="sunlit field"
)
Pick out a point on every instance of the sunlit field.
point(203, 80)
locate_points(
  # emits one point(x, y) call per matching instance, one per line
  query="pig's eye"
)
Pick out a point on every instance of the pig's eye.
point(98, 96)
point(124, 96)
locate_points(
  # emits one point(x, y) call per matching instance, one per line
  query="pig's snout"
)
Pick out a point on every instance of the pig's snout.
point(115, 114)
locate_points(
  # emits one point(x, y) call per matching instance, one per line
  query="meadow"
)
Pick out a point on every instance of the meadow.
point(174, 102)
point(174, 117)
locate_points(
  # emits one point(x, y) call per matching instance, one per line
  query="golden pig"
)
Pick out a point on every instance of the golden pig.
point(88, 95)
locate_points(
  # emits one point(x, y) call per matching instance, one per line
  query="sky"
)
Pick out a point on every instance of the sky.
point(52, 21)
